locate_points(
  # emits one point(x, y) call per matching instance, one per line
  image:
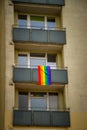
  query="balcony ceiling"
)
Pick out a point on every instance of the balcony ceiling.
point(35, 87)
point(42, 9)
point(38, 47)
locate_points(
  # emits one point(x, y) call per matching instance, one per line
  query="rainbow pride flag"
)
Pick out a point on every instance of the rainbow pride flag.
point(44, 75)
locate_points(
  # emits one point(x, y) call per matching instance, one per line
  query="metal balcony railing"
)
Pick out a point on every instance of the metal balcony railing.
point(28, 75)
point(46, 2)
point(41, 118)
point(39, 34)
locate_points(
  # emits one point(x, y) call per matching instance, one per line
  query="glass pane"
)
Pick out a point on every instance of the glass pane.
point(51, 60)
point(52, 65)
point(22, 21)
point(23, 100)
point(38, 101)
point(37, 22)
point(51, 57)
point(22, 60)
point(35, 62)
point(51, 24)
point(53, 101)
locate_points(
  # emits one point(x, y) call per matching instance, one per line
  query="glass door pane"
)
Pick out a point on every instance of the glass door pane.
point(38, 101)
point(51, 60)
point(37, 22)
point(22, 21)
point(53, 101)
point(23, 100)
point(22, 60)
point(35, 62)
point(51, 24)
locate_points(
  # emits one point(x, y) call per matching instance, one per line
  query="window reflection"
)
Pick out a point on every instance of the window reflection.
point(37, 22)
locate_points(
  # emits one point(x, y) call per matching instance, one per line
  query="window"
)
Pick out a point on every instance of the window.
point(37, 22)
point(51, 60)
point(33, 60)
point(22, 21)
point(51, 24)
point(38, 101)
point(23, 100)
point(53, 101)
point(22, 60)
point(37, 59)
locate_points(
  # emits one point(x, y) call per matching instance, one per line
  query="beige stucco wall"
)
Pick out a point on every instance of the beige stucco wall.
point(2, 64)
point(75, 52)
point(9, 87)
point(75, 58)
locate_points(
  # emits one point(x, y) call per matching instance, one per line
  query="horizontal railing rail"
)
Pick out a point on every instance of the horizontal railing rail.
point(24, 74)
point(36, 67)
point(39, 34)
point(41, 109)
point(41, 118)
point(38, 27)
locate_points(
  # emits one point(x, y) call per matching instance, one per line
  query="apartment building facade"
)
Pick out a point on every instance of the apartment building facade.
point(43, 33)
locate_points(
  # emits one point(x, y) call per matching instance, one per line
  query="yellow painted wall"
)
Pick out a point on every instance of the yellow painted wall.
point(75, 58)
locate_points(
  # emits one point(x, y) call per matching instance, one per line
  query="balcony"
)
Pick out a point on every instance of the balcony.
point(41, 118)
point(28, 75)
point(39, 36)
point(46, 2)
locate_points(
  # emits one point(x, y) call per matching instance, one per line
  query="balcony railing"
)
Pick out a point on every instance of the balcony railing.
point(46, 2)
point(28, 75)
point(41, 118)
point(41, 35)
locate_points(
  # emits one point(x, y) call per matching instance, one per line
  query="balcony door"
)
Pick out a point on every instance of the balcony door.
point(38, 101)
point(37, 59)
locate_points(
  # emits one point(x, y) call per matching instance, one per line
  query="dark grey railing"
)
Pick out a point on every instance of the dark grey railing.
point(46, 2)
point(31, 75)
point(41, 118)
point(39, 34)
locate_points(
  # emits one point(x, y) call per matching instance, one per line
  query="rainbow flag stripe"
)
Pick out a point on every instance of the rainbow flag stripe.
point(44, 75)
